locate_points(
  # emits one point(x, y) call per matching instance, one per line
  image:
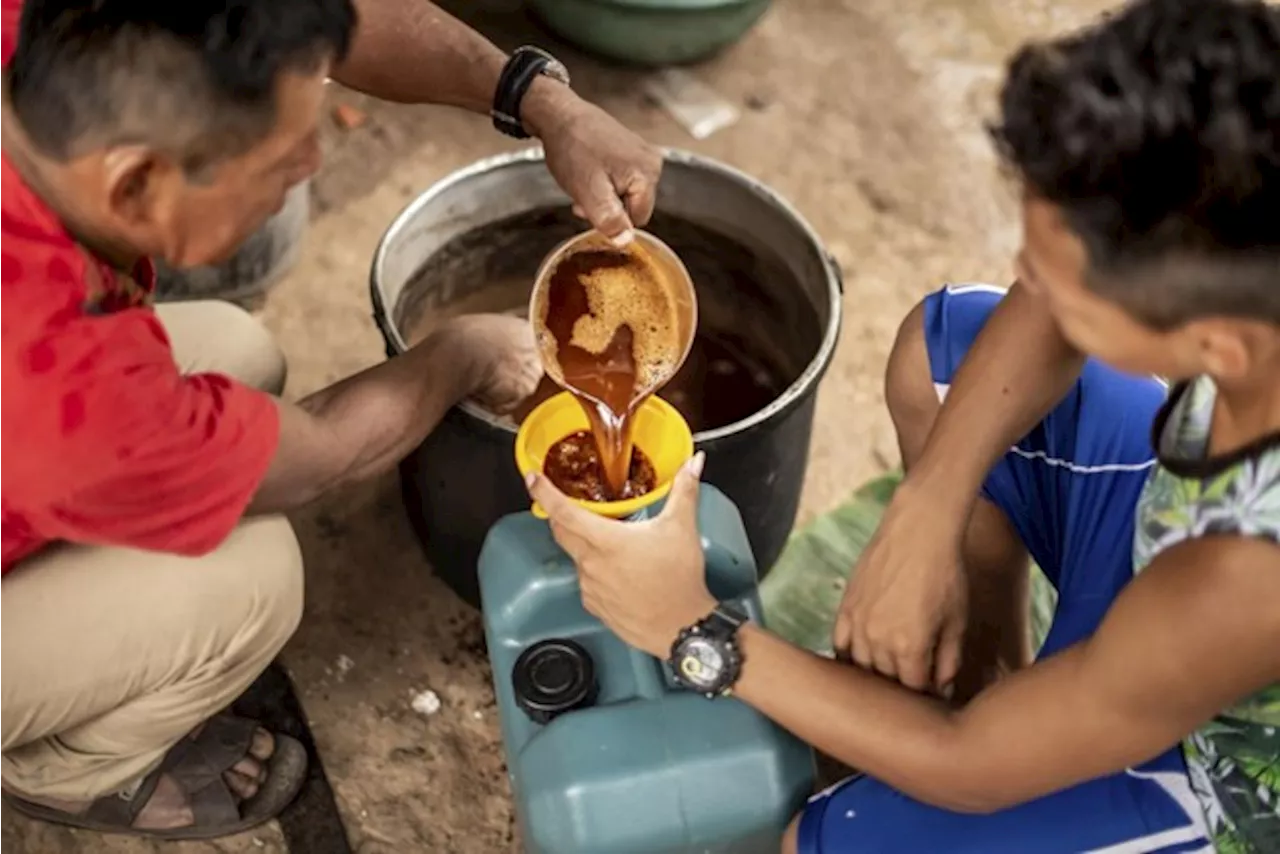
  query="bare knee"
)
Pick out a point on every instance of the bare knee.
point(791, 839)
point(909, 390)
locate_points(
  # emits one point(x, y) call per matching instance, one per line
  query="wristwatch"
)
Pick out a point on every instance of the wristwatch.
point(524, 66)
point(705, 656)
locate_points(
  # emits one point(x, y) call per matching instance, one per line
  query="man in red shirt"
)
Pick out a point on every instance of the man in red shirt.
point(148, 574)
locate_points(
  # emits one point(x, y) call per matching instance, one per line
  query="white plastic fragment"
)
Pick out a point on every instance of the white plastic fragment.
point(698, 108)
point(425, 702)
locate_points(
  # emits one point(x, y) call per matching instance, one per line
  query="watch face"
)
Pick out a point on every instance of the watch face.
point(701, 663)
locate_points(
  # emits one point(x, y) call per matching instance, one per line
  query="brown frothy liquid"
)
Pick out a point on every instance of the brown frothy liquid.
point(574, 466)
point(612, 330)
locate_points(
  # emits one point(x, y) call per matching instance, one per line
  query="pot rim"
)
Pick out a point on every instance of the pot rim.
point(803, 385)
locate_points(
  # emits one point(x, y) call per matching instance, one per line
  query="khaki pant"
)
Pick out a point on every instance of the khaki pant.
point(111, 655)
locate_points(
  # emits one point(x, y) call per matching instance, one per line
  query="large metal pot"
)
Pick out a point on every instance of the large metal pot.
point(759, 269)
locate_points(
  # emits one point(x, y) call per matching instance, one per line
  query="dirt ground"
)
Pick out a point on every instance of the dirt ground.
point(866, 114)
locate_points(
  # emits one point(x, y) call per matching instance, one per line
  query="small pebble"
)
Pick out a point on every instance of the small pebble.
point(478, 715)
point(425, 702)
point(348, 117)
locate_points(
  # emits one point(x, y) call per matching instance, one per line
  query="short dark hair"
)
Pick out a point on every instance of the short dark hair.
point(196, 78)
point(1157, 133)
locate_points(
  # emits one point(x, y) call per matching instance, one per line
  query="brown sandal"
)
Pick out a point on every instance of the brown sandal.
point(197, 766)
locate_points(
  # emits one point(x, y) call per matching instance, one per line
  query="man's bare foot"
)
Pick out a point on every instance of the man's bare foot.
point(168, 807)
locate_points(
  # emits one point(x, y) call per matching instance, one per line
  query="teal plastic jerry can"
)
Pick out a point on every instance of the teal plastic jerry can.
point(605, 752)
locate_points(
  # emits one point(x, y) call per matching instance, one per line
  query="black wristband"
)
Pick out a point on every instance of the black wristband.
point(523, 67)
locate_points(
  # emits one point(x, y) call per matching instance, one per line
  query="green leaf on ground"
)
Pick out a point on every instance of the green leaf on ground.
point(802, 593)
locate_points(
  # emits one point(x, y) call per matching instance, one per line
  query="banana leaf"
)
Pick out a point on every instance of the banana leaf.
point(802, 593)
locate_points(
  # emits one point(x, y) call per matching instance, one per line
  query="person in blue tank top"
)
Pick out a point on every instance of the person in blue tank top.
point(1033, 426)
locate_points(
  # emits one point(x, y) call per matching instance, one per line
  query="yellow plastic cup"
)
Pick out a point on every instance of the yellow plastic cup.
point(659, 430)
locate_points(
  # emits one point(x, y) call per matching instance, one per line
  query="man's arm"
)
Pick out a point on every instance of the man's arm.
point(365, 424)
point(413, 51)
point(1197, 631)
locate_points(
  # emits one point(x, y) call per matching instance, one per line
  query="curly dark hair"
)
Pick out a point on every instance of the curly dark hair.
point(1157, 133)
point(193, 77)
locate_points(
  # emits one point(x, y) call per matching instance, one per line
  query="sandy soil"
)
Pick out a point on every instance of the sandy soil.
point(867, 115)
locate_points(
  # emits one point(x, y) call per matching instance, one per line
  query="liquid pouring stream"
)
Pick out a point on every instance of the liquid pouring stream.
point(613, 325)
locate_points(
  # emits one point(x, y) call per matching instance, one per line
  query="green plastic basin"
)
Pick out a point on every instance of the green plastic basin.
point(650, 32)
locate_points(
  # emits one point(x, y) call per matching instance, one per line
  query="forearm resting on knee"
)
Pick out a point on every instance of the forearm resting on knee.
point(361, 426)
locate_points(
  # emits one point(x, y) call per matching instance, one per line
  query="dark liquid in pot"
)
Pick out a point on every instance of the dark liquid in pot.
point(573, 465)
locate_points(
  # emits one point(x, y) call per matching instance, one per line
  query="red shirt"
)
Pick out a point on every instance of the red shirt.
point(104, 441)
point(10, 11)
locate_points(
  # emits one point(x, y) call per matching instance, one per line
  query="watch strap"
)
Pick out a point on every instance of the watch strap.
point(724, 622)
point(523, 67)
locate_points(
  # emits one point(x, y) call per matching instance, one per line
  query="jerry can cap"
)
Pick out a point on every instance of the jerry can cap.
point(553, 676)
